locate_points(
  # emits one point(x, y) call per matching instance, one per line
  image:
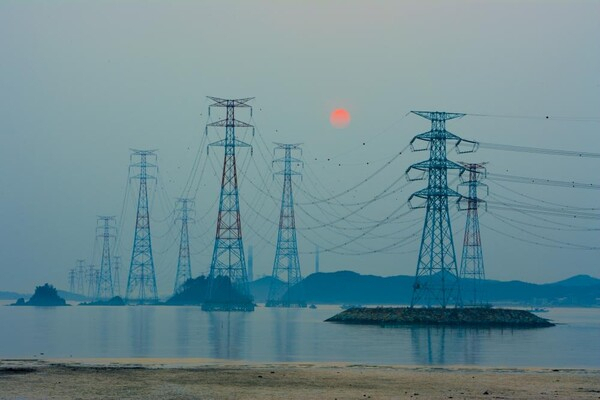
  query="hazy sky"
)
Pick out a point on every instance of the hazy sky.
point(82, 82)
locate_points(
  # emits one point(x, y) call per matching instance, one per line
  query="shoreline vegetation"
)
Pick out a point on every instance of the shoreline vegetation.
point(184, 378)
point(471, 317)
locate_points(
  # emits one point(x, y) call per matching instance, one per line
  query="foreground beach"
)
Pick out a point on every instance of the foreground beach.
point(212, 379)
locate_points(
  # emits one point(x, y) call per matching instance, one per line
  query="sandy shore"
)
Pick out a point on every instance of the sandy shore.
point(215, 379)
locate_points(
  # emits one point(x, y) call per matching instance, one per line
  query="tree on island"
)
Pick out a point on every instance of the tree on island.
point(44, 296)
point(194, 292)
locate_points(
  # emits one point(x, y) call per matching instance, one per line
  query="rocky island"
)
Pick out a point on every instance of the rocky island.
point(472, 317)
point(44, 296)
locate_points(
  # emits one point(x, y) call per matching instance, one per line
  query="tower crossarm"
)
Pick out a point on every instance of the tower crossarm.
point(436, 135)
point(223, 143)
point(428, 165)
point(438, 115)
point(225, 122)
point(218, 102)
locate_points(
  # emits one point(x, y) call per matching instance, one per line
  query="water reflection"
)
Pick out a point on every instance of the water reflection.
point(439, 345)
point(226, 334)
point(285, 327)
point(270, 335)
point(105, 331)
point(141, 327)
point(182, 323)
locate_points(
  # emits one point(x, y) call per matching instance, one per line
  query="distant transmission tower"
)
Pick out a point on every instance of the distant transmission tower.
point(228, 280)
point(92, 278)
point(72, 280)
point(81, 277)
point(472, 272)
point(105, 282)
point(286, 267)
point(436, 279)
point(116, 267)
point(184, 269)
point(141, 283)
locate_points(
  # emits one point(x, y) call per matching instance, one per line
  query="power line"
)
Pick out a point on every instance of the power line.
point(543, 181)
point(536, 150)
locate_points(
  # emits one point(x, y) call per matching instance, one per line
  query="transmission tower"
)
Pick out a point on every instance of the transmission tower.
point(184, 269)
point(116, 267)
point(72, 280)
point(472, 272)
point(105, 282)
point(286, 267)
point(141, 283)
point(436, 280)
point(81, 277)
point(92, 278)
point(228, 280)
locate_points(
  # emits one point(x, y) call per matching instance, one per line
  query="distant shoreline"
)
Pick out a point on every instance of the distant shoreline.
point(158, 378)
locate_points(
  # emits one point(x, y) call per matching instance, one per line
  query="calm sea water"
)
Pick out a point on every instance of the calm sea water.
point(299, 335)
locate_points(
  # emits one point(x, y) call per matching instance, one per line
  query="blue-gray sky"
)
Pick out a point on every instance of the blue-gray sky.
point(82, 82)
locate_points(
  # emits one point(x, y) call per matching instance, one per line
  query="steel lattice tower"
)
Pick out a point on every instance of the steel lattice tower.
point(72, 280)
point(286, 266)
point(92, 277)
point(141, 283)
point(436, 279)
point(184, 269)
point(116, 267)
point(105, 282)
point(81, 277)
point(228, 280)
point(472, 272)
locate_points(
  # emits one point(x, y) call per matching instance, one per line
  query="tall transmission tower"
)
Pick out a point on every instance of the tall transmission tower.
point(286, 266)
point(141, 283)
point(436, 280)
point(116, 267)
point(72, 280)
point(105, 282)
point(81, 277)
point(184, 269)
point(228, 280)
point(92, 278)
point(472, 272)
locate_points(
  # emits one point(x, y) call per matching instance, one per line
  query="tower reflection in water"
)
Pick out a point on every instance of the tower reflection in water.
point(183, 315)
point(285, 327)
point(440, 345)
point(141, 330)
point(227, 331)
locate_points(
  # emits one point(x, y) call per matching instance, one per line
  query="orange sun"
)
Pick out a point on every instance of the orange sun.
point(339, 118)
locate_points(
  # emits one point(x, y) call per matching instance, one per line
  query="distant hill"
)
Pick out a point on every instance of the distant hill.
point(346, 287)
point(578, 280)
point(260, 288)
point(12, 295)
point(71, 296)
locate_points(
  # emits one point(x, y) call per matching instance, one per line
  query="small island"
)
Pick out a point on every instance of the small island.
point(456, 317)
point(44, 296)
point(115, 301)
